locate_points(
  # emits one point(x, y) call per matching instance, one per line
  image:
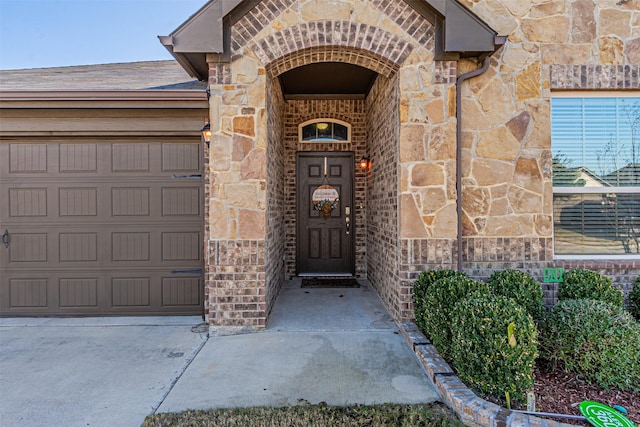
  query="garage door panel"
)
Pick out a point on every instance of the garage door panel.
point(130, 247)
point(181, 246)
point(76, 292)
point(28, 158)
point(181, 201)
point(100, 227)
point(28, 248)
point(130, 157)
point(131, 291)
point(180, 157)
point(130, 201)
point(180, 291)
point(28, 292)
point(78, 201)
point(78, 247)
point(27, 202)
point(76, 158)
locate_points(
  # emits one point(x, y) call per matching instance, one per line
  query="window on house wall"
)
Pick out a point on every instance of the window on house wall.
point(324, 130)
point(596, 176)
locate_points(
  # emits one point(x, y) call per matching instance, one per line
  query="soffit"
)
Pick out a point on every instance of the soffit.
point(328, 78)
point(459, 33)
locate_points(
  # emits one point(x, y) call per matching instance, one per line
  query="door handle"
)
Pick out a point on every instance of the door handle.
point(6, 239)
point(348, 224)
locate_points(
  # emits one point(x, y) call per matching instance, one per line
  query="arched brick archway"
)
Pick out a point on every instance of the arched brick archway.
point(375, 120)
point(343, 54)
point(256, 125)
point(245, 46)
point(332, 41)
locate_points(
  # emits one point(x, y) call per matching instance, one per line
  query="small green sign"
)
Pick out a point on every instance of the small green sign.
point(603, 416)
point(552, 275)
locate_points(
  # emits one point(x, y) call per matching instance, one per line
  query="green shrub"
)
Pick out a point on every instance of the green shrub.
point(520, 286)
point(634, 299)
point(586, 284)
point(482, 352)
point(424, 280)
point(439, 300)
point(596, 339)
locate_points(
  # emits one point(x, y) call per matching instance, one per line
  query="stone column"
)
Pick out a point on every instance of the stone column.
point(235, 239)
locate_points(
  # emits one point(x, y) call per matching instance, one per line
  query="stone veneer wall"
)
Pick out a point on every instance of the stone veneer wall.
point(507, 187)
point(382, 192)
point(507, 199)
point(272, 37)
point(299, 111)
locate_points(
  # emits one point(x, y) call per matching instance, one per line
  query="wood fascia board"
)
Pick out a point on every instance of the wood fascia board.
point(97, 122)
point(150, 99)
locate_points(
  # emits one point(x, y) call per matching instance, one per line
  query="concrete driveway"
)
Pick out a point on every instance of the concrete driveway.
point(91, 371)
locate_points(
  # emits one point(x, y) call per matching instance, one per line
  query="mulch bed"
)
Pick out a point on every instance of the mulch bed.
point(560, 392)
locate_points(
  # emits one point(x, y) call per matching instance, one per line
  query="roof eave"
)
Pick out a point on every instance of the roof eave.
point(196, 65)
point(463, 34)
point(459, 32)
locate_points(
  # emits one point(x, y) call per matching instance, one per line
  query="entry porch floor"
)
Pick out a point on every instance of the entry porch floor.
point(334, 345)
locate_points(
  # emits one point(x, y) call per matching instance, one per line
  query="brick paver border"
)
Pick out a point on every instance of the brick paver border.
point(471, 409)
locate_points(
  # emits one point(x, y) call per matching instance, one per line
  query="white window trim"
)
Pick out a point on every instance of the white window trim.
point(563, 93)
point(627, 93)
point(324, 120)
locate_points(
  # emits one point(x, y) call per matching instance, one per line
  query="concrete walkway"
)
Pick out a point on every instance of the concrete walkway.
point(337, 346)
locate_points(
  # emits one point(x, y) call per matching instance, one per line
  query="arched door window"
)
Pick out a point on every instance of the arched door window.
point(324, 130)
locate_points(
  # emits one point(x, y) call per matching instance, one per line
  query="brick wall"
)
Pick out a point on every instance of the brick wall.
point(382, 192)
point(594, 76)
point(236, 283)
point(299, 111)
point(276, 210)
point(482, 256)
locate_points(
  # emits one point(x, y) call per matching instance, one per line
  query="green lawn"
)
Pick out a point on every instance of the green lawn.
point(312, 415)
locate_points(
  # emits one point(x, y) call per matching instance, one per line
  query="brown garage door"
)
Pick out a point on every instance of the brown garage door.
point(101, 227)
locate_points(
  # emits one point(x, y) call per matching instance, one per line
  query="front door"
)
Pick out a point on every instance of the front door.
point(325, 231)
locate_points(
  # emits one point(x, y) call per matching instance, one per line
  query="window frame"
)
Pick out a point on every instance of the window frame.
point(302, 125)
point(560, 190)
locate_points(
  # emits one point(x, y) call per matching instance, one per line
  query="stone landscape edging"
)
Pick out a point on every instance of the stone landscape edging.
point(471, 409)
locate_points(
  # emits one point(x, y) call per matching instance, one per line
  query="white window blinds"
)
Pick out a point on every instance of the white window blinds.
point(596, 175)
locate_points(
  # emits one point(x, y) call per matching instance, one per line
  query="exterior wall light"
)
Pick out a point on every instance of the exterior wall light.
point(365, 162)
point(206, 134)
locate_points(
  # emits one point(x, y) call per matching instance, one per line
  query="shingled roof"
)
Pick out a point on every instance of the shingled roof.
point(147, 75)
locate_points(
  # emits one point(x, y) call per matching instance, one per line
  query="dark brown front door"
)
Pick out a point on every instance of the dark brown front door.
point(325, 225)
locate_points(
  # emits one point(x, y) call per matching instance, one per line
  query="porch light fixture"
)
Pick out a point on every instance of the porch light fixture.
point(206, 134)
point(365, 162)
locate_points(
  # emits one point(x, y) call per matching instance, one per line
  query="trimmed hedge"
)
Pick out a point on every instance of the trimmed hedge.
point(634, 299)
point(482, 352)
point(598, 340)
point(520, 286)
point(439, 300)
point(586, 284)
point(424, 280)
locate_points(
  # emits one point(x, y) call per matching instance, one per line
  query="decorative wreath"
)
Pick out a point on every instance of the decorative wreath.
point(326, 206)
